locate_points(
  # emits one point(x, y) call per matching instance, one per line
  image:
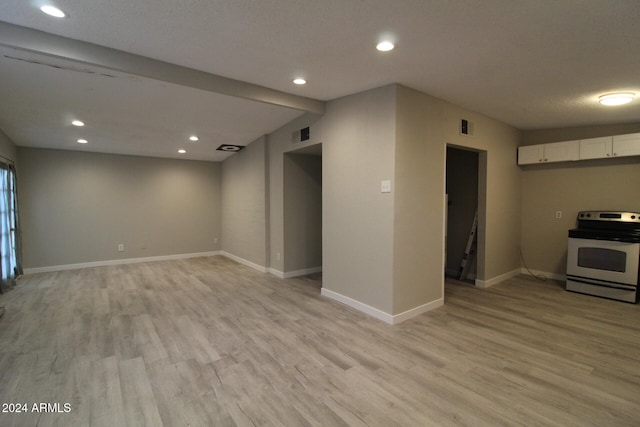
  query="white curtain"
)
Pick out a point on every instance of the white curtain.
point(10, 264)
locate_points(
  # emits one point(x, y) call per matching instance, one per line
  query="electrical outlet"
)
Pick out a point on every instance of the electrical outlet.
point(215, 240)
point(278, 256)
point(120, 247)
point(558, 214)
point(385, 186)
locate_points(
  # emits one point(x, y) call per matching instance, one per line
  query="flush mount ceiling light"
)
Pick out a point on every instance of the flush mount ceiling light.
point(299, 81)
point(53, 11)
point(620, 98)
point(385, 46)
point(78, 123)
point(182, 151)
point(193, 138)
point(82, 141)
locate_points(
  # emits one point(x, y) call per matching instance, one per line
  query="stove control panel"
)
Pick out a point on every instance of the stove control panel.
point(615, 216)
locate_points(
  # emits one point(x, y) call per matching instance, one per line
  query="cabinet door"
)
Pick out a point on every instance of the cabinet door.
point(562, 151)
point(626, 145)
point(596, 148)
point(530, 154)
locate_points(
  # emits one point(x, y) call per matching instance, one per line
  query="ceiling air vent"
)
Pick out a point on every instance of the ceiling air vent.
point(230, 148)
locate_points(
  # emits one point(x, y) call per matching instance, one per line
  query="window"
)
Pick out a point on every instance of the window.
point(10, 262)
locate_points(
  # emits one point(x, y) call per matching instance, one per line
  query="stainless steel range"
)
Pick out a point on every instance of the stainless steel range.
point(604, 255)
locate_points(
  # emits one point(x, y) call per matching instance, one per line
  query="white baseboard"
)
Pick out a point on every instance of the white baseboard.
point(52, 268)
point(279, 274)
point(296, 273)
point(243, 261)
point(553, 276)
point(371, 311)
point(497, 279)
point(397, 318)
point(379, 314)
point(509, 275)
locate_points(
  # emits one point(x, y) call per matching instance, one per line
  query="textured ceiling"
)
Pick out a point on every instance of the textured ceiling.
point(532, 64)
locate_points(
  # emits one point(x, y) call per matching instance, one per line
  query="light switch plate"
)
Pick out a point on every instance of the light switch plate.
point(385, 186)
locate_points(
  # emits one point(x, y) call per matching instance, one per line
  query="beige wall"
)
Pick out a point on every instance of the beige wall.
point(499, 198)
point(76, 207)
point(418, 275)
point(7, 147)
point(425, 125)
point(279, 142)
point(607, 184)
point(244, 201)
point(302, 212)
point(387, 250)
point(357, 133)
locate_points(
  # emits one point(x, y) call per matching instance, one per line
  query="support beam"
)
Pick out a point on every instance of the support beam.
point(39, 42)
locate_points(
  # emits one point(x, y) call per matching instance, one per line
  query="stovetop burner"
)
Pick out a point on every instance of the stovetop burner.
point(614, 235)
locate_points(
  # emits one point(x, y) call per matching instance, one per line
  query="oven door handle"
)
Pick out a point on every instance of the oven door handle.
point(601, 283)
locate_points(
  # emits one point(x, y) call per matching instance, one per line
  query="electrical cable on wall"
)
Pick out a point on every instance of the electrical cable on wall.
point(539, 276)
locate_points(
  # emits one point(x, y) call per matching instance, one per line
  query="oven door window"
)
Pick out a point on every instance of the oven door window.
point(602, 259)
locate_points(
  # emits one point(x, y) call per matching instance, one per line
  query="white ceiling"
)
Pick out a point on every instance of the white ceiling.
point(532, 64)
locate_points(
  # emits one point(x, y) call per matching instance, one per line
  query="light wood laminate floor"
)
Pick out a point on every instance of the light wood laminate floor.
point(208, 342)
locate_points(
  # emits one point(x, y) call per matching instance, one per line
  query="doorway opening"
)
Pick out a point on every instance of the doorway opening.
point(303, 213)
point(466, 191)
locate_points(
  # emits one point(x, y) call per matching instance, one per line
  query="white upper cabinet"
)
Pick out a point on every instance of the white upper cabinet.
point(555, 152)
point(530, 154)
point(626, 145)
point(596, 148)
point(593, 148)
point(562, 151)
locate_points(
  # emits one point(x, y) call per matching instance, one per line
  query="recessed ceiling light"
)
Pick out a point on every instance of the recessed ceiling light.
point(77, 123)
point(53, 11)
point(193, 138)
point(620, 98)
point(82, 141)
point(299, 81)
point(385, 46)
point(182, 151)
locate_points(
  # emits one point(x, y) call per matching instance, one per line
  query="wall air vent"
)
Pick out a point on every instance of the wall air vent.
point(304, 134)
point(300, 135)
point(466, 127)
